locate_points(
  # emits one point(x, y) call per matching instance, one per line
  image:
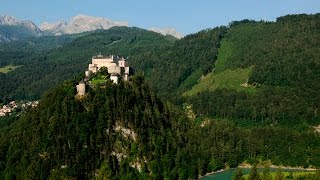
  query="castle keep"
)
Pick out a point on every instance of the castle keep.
point(116, 67)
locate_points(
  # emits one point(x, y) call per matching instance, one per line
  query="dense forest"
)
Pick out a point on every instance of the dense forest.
point(247, 92)
point(126, 131)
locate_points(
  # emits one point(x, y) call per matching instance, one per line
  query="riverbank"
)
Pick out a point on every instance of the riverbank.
point(243, 165)
point(214, 172)
point(259, 166)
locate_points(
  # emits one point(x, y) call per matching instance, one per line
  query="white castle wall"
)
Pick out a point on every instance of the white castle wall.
point(114, 78)
point(81, 89)
point(114, 69)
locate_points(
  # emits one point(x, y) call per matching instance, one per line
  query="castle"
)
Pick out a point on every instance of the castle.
point(116, 67)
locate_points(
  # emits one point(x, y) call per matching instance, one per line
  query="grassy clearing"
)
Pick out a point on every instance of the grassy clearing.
point(235, 79)
point(224, 53)
point(8, 68)
point(229, 79)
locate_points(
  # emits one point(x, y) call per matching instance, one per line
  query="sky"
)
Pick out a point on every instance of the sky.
point(186, 16)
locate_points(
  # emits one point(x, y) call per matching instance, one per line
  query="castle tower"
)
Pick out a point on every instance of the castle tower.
point(114, 78)
point(87, 73)
point(122, 63)
point(81, 88)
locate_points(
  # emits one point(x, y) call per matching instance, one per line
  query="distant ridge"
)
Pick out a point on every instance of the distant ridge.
point(79, 24)
point(14, 29)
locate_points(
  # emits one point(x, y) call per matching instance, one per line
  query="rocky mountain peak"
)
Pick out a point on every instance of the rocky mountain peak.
point(8, 20)
point(12, 21)
point(80, 23)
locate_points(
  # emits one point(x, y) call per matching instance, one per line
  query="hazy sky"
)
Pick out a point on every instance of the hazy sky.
point(186, 16)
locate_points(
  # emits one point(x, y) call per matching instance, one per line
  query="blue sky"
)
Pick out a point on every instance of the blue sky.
point(186, 16)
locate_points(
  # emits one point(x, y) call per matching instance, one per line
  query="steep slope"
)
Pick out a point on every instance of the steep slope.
point(124, 127)
point(79, 24)
point(273, 70)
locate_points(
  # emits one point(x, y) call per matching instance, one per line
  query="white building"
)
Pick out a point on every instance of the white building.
point(117, 68)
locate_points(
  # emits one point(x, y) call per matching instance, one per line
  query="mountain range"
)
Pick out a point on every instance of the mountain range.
point(11, 21)
point(14, 29)
point(79, 24)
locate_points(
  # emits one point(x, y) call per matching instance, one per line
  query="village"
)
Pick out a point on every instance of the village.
point(13, 106)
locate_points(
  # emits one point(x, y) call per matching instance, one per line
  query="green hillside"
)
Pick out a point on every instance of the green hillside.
point(280, 63)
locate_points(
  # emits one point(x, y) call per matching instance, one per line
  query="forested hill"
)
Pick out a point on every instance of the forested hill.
point(265, 72)
point(125, 131)
point(41, 70)
point(111, 129)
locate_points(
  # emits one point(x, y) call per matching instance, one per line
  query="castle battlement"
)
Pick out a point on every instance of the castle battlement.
point(117, 67)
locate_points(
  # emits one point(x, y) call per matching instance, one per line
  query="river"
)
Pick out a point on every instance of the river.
point(228, 174)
